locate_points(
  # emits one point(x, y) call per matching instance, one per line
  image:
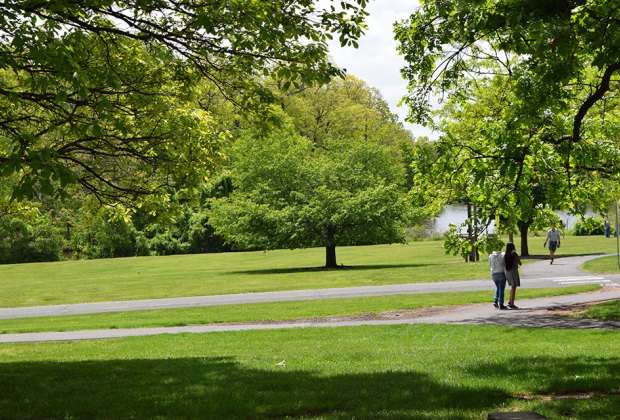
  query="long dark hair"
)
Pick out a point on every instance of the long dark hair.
point(509, 256)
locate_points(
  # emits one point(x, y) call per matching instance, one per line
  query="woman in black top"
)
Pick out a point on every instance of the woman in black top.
point(511, 262)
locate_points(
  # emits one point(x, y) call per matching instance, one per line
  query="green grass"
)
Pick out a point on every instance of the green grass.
point(605, 265)
point(211, 274)
point(264, 311)
point(606, 310)
point(403, 371)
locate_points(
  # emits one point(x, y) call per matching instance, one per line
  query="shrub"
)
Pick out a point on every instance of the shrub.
point(21, 242)
point(589, 226)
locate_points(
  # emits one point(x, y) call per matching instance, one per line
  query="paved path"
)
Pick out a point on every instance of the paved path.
point(563, 272)
point(533, 312)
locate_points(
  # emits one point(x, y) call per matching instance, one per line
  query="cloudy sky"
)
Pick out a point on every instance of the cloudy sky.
point(376, 60)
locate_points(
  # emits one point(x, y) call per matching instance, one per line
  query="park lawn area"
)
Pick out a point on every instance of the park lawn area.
point(605, 265)
point(259, 312)
point(400, 371)
point(606, 310)
point(244, 272)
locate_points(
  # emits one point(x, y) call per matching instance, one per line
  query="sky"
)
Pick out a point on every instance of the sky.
point(376, 60)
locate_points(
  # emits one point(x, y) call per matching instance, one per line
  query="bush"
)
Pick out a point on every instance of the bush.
point(21, 242)
point(589, 226)
point(103, 238)
point(165, 244)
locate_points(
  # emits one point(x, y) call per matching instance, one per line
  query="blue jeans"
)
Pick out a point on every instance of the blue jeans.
point(500, 284)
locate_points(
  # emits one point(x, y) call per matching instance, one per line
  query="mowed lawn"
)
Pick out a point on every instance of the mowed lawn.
point(366, 372)
point(369, 372)
point(211, 274)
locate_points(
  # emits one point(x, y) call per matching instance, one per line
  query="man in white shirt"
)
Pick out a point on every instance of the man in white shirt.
point(553, 237)
point(496, 262)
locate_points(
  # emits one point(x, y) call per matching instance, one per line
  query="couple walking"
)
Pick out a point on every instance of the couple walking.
point(504, 269)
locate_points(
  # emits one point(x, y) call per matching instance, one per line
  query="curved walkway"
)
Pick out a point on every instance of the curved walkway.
point(534, 312)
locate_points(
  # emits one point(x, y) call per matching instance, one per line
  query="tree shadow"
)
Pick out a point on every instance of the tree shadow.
point(222, 388)
point(292, 270)
point(563, 385)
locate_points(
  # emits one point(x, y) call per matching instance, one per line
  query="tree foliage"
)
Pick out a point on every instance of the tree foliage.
point(291, 194)
point(546, 135)
point(500, 167)
point(108, 94)
point(563, 54)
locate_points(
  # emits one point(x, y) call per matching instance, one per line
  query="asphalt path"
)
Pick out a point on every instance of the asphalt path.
point(563, 272)
point(533, 313)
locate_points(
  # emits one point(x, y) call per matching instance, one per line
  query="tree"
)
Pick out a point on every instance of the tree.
point(290, 194)
point(489, 160)
point(559, 58)
point(555, 50)
point(99, 94)
point(343, 108)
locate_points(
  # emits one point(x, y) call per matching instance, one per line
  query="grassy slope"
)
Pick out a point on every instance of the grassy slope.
point(405, 371)
point(263, 311)
point(209, 274)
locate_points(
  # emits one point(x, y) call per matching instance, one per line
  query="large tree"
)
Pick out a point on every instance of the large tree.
point(560, 60)
point(291, 194)
point(559, 49)
point(500, 167)
point(98, 93)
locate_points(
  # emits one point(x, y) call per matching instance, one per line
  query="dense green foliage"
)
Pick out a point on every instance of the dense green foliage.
point(562, 55)
point(529, 117)
point(343, 192)
point(23, 242)
point(589, 226)
point(115, 97)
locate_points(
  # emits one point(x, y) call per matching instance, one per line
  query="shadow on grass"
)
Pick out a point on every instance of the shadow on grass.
point(587, 388)
point(221, 388)
point(340, 267)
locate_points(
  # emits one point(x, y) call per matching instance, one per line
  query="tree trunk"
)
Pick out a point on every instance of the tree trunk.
point(523, 228)
point(330, 256)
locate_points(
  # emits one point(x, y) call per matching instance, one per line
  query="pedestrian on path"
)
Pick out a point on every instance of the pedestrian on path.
point(553, 237)
point(607, 228)
point(512, 261)
point(496, 263)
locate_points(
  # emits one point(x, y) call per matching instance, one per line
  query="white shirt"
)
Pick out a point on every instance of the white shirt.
point(496, 262)
point(553, 235)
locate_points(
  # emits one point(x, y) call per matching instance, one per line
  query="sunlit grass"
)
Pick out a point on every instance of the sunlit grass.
point(404, 371)
point(264, 311)
point(602, 265)
point(212, 274)
point(606, 310)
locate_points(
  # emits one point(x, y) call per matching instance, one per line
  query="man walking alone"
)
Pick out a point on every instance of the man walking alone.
point(553, 237)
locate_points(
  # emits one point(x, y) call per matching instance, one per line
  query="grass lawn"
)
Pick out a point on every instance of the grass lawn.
point(603, 265)
point(606, 310)
point(264, 311)
point(210, 274)
point(402, 371)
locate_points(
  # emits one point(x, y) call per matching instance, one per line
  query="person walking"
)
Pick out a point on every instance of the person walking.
point(496, 263)
point(607, 228)
point(512, 261)
point(553, 237)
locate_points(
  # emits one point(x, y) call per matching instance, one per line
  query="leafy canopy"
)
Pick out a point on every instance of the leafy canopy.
point(107, 94)
point(291, 194)
point(563, 54)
